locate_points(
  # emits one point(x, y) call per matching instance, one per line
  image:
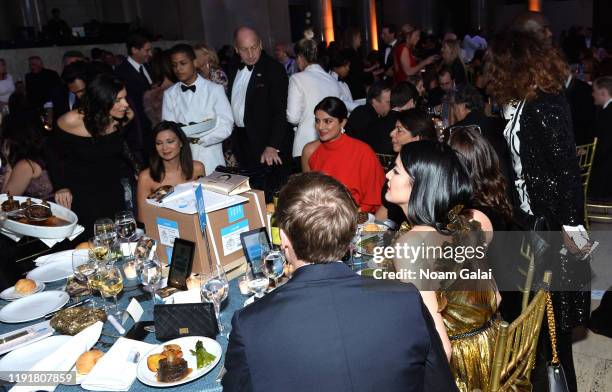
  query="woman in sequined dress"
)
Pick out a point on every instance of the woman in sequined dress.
point(529, 77)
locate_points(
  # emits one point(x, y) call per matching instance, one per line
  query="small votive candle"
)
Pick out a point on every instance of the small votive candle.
point(243, 284)
point(130, 270)
point(193, 282)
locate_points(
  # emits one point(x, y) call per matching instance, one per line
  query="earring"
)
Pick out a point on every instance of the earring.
point(342, 130)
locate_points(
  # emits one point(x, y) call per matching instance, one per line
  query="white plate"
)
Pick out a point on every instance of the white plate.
point(42, 231)
point(52, 272)
point(33, 306)
point(10, 294)
point(24, 358)
point(187, 343)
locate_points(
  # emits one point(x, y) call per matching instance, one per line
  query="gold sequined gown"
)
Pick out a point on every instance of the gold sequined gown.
point(464, 312)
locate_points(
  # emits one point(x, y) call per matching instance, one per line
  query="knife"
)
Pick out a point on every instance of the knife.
point(74, 305)
point(14, 336)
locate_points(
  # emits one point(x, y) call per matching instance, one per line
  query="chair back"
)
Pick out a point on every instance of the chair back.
point(516, 344)
point(586, 155)
point(386, 160)
point(527, 269)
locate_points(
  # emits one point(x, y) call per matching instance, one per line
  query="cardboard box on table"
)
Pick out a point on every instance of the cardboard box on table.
point(223, 230)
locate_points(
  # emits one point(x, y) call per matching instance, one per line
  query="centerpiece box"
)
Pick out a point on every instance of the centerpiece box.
point(223, 228)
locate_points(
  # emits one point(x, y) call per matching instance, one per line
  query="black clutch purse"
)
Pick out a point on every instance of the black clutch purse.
point(177, 321)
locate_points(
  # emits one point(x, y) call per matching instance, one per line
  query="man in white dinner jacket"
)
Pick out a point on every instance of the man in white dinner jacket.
point(194, 99)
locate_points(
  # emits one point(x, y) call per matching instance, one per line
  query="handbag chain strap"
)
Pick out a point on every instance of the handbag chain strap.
point(552, 329)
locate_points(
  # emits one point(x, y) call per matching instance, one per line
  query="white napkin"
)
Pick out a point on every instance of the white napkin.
point(114, 371)
point(53, 257)
point(64, 358)
point(50, 242)
point(184, 297)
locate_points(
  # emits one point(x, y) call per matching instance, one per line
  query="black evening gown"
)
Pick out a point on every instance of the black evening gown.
point(90, 168)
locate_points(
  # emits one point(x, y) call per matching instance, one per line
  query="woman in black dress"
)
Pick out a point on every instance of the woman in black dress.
point(90, 147)
point(529, 78)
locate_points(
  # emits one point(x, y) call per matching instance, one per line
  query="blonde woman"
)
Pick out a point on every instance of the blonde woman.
point(208, 65)
point(450, 57)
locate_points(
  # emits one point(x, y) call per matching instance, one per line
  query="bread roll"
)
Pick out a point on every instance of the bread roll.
point(25, 286)
point(88, 360)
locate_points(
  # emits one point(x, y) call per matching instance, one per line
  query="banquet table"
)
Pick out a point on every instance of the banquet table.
point(207, 382)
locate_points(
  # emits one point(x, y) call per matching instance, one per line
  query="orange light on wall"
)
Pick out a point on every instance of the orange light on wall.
point(373, 26)
point(328, 21)
point(535, 5)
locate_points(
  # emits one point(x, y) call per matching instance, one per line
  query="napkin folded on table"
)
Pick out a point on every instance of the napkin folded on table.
point(50, 242)
point(64, 358)
point(114, 371)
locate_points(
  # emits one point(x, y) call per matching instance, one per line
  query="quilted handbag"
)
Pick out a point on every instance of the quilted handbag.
point(179, 320)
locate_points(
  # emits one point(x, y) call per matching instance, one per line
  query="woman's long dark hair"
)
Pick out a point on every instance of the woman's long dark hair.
point(23, 136)
point(98, 100)
point(439, 183)
point(418, 123)
point(157, 169)
point(482, 163)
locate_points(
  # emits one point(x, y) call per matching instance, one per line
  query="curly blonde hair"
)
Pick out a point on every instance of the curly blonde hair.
point(520, 65)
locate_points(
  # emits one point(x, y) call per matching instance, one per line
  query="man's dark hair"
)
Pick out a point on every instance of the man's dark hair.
point(73, 53)
point(55, 11)
point(136, 39)
point(391, 27)
point(35, 57)
point(376, 89)
point(338, 59)
point(74, 71)
point(183, 48)
point(403, 92)
point(446, 70)
point(471, 97)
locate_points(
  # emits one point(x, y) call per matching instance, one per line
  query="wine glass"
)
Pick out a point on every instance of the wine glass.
point(215, 288)
point(104, 229)
point(257, 283)
point(125, 225)
point(150, 273)
point(110, 285)
point(273, 265)
point(84, 268)
point(99, 250)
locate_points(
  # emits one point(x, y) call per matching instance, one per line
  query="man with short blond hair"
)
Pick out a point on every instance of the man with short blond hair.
point(329, 329)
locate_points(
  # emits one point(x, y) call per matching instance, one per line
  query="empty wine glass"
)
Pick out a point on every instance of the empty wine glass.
point(273, 265)
point(84, 268)
point(110, 284)
point(125, 225)
point(215, 288)
point(150, 273)
point(257, 283)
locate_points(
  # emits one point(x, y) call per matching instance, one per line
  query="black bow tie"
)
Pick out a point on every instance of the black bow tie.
point(242, 65)
point(185, 88)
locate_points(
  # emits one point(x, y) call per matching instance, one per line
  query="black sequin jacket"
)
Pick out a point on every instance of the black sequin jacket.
point(548, 157)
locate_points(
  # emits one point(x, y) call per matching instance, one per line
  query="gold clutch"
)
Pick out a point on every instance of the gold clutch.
point(74, 320)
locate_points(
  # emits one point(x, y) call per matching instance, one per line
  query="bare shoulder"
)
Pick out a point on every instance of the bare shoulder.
point(481, 218)
point(72, 122)
point(198, 169)
point(310, 148)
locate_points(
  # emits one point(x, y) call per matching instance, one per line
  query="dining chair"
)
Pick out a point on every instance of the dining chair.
point(516, 345)
point(586, 154)
point(528, 272)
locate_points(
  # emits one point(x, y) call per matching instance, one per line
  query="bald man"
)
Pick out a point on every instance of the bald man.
point(258, 95)
point(535, 23)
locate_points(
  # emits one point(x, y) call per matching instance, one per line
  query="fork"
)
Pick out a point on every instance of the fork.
point(133, 356)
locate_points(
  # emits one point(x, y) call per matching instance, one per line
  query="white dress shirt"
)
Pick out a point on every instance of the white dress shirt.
point(607, 103)
point(345, 95)
point(208, 101)
point(239, 90)
point(388, 49)
point(7, 87)
point(306, 90)
point(137, 66)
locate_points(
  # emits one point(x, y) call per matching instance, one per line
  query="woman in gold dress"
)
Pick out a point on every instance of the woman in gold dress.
point(432, 187)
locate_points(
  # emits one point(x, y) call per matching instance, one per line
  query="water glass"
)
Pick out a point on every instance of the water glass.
point(214, 289)
point(257, 283)
point(273, 265)
point(84, 268)
point(150, 273)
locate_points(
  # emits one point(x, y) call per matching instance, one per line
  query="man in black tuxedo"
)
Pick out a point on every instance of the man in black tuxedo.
point(329, 329)
point(599, 184)
point(136, 74)
point(40, 82)
point(580, 99)
point(389, 38)
point(258, 96)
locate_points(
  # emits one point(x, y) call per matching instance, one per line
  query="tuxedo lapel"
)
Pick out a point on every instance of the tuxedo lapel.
point(254, 81)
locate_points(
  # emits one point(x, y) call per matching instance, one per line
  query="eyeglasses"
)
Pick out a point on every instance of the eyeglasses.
point(459, 128)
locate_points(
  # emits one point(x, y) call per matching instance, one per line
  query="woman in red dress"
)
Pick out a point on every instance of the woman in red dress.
point(404, 62)
point(348, 160)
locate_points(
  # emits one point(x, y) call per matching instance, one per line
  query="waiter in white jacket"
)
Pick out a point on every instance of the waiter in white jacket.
point(194, 99)
point(306, 89)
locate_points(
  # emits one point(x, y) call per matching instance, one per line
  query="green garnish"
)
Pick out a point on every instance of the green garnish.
point(203, 357)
